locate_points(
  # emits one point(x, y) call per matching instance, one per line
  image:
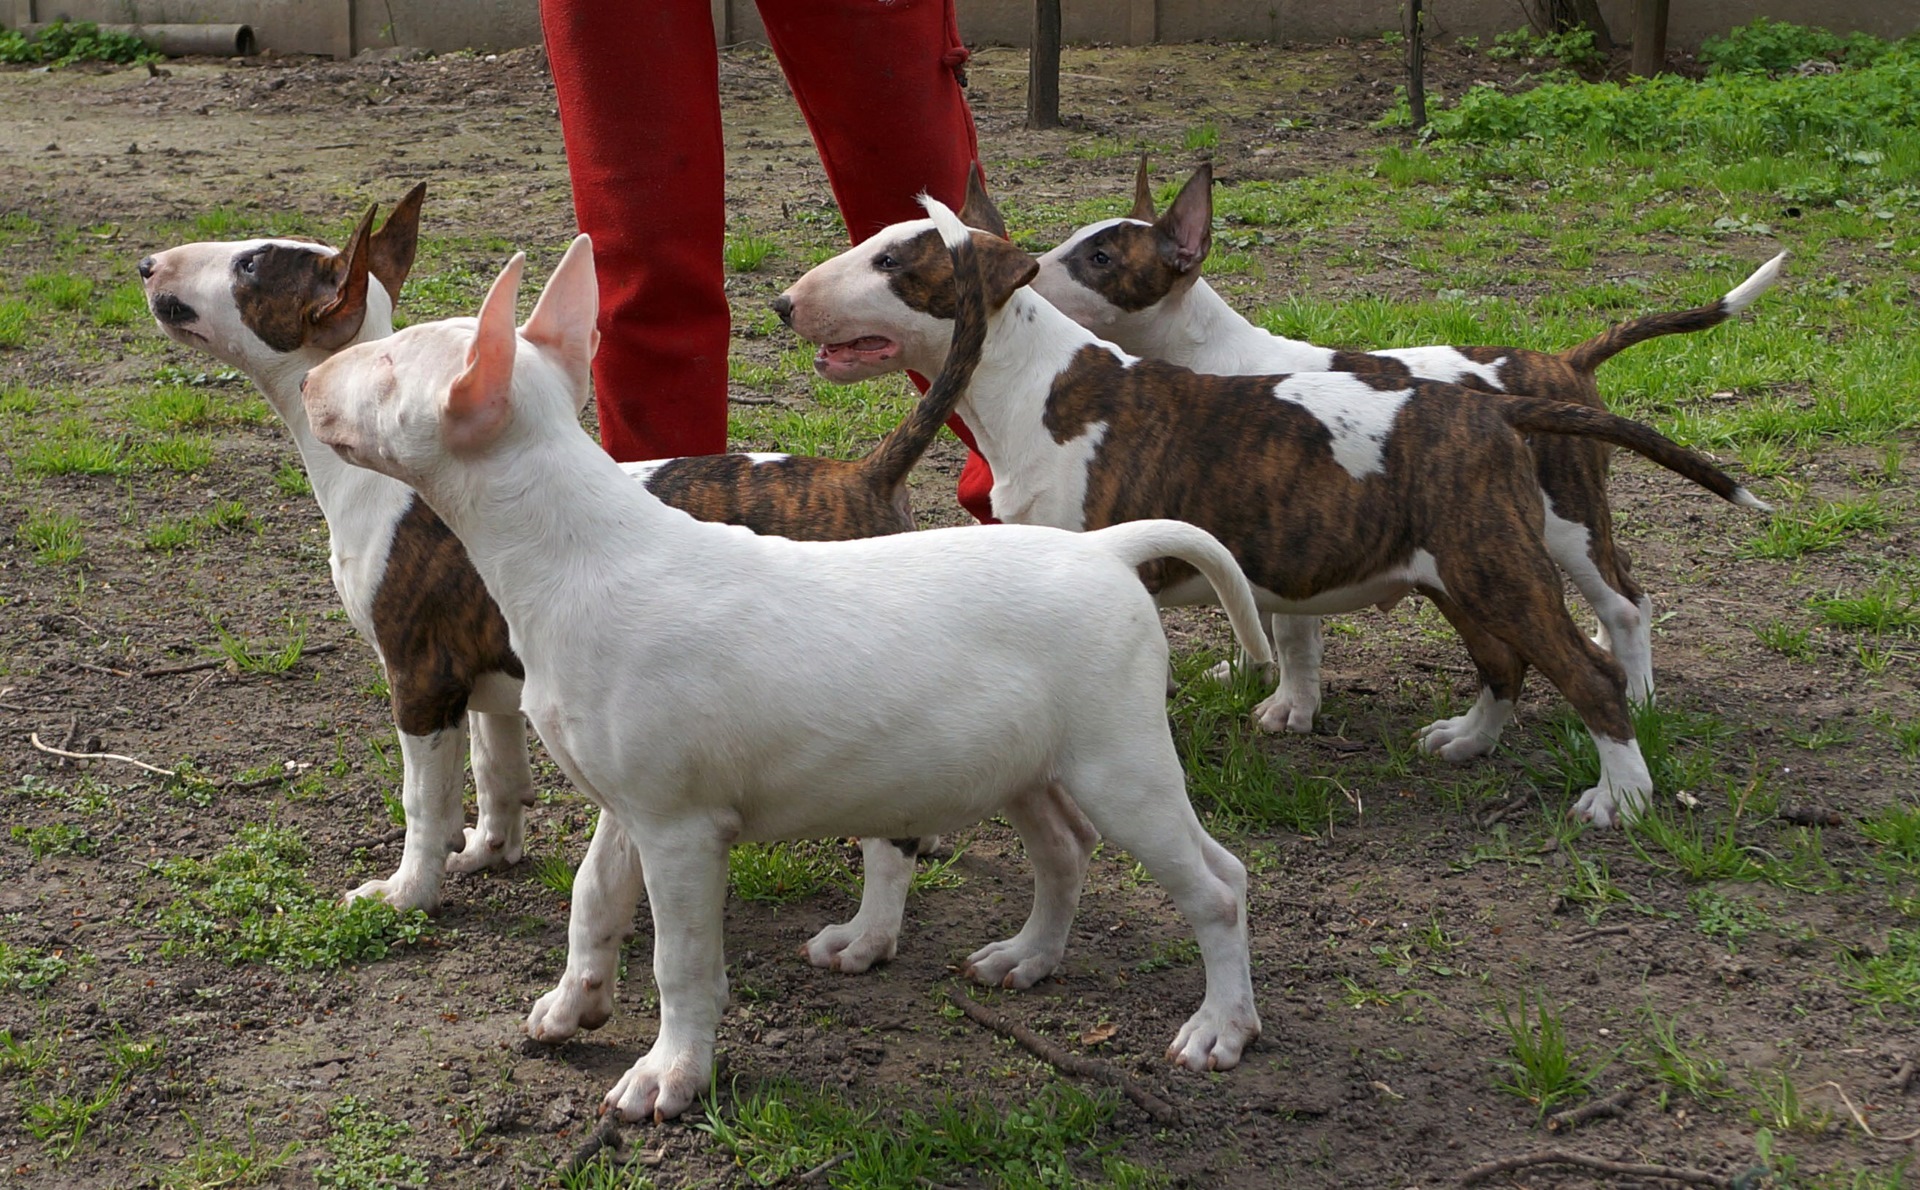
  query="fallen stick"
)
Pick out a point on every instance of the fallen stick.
point(35, 737)
point(1594, 1109)
point(1903, 1077)
point(1598, 931)
point(1498, 812)
point(1861, 1120)
point(1161, 1111)
point(1693, 1177)
point(606, 1135)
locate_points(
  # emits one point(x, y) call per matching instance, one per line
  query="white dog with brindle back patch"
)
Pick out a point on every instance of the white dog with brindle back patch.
point(705, 686)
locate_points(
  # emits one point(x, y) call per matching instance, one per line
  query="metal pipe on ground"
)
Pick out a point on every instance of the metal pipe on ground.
point(223, 41)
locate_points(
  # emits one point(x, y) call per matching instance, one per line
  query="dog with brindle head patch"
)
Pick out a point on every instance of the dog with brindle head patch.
point(1136, 282)
point(1336, 491)
point(276, 307)
point(706, 686)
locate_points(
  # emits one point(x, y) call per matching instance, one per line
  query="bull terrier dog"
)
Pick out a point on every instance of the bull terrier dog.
point(704, 685)
point(275, 307)
point(1136, 281)
point(1336, 491)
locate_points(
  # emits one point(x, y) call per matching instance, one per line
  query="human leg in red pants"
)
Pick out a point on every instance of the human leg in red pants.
point(878, 81)
point(639, 92)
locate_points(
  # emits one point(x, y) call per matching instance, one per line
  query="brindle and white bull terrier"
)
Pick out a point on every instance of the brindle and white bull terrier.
point(1336, 491)
point(276, 307)
point(1136, 282)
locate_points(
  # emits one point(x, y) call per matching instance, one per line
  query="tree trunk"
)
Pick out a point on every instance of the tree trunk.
point(1416, 65)
point(1649, 37)
point(1043, 66)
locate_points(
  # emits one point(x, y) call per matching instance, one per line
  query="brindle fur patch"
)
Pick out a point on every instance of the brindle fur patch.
point(276, 286)
point(801, 496)
point(1258, 472)
point(1126, 265)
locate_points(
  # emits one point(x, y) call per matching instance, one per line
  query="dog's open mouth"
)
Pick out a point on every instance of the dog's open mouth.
point(855, 357)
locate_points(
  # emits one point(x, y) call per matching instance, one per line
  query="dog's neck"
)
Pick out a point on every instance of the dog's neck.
point(1197, 329)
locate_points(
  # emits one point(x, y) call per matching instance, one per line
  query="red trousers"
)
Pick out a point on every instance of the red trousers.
point(638, 83)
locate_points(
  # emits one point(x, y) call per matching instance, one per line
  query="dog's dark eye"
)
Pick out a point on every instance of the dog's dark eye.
point(245, 264)
point(1100, 257)
point(886, 263)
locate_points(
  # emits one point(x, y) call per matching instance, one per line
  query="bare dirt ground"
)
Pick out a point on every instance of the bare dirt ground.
point(1378, 1068)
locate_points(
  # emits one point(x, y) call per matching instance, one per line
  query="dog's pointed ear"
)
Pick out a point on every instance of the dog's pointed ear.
point(334, 322)
point(393, 245)
point(1003, 267)
point(979, 211)
point(1142, 195)
point(480, 399)
point(1187, 226)
point(564, 320)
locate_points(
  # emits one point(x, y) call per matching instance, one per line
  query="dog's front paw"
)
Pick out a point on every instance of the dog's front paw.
point(1286, 710)
point(1458, 739)
point(482, 849)
point(579, 1002)
point(401, 893)
point(1607, 807)
point(1014, 963)
point(661, 1085)
point(1213, 1039)
point(850, 947)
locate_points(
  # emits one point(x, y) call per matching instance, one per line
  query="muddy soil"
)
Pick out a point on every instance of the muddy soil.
point(1378, 1068)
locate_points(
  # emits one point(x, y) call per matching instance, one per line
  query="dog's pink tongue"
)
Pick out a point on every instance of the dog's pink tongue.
point(866, 347)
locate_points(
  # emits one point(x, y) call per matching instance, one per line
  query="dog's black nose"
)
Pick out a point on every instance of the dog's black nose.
point(146, 268)
point(783, 306)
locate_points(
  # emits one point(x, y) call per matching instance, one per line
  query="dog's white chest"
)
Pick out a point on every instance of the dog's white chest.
point(1359, 417)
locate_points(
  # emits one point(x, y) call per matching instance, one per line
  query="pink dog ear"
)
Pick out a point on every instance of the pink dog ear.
point(1142, 195)
point(333, 323)
point(479, 401)
point(564, 317)
point(1188, 223)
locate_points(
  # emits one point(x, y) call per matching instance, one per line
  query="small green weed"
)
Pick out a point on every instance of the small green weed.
point(554, 873)
point(181, 453)
point(1794, 642)
point(255, 657)
point(62, 1119)
point(23, 1058)
point(1896, 829)
point(124, 305)
point(228, 516)
point(1200, 136)
point(64, 42)
point(1787, 536)
point(291, 480)
point(1889, 978)
point(1729, 918)
point(28, 969)
point(1679, 1066)
point(74, 448)
point(1231, 777)
point(54, 838)
point(747, 252)
point(1540, 1065)
point(13, 323)
point(1180, 952)
point(213, 1163)
point(61, 291)
point(1886, 607)
point(364, 1146)
point(780, 872)
point(252, 903)
point(1780, 1106)
point(54, 537)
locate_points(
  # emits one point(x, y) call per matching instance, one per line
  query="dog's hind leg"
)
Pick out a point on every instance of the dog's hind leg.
point(1059, 842)
point(1297, 648)
point(686, 877)
point(606, 891)
point(1502, 673)
point(433, 775)
point(873, 936)
point(1579, 537)
point(1137, 797)
point(503, 789)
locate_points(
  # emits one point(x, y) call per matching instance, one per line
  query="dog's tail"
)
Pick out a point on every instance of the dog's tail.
point(1135, 542)
point(1615, 339)
point(888, 463)
point(1536, 415)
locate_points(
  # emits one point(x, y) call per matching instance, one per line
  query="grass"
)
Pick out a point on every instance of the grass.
point(261, 657)
point(214, 1163)
point(363, 1150)
point(13, 323)
point(1231, 777)
point(251, 902)
point(178, 533)
point(1540, 1065)
point(776, 873)
point(54, 838)
point(28, 968)
point(1057, 1138)
point(1891, 978)
point(748, 253)
point(74, 448)
point(1680, 1066)
point(54, 537)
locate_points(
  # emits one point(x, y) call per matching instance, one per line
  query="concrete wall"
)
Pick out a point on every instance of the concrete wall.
point(342, 27)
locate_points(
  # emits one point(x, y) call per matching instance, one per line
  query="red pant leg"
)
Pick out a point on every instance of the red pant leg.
point(878, 83)
point(638, 85)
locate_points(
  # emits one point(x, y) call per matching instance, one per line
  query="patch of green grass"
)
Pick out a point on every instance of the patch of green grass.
point(364, 1147)
point(1057, 1138)
point(1682, 748)
point(1892, 977)
point(28, 969)
point(1200, 136)
point(1178, 952)
point(1896, 831)
point(54, 537)
point(1883, 608)
point(1232, 776)
point(552, 872)
point(1680, 1066)
point(1781, 1107)
point(1541, 1066)
point(177, 407)
point(1787, 536)
point(22, 1057)
point(844, 421)
point(54, 838)
point(182, 453)
point(61, 1119)
point(1104, 148)
point(746, 253)
point(60, 291)
point(74, 448)
point(780, 872)
point(214, 1163)
point(18, 401)
point(124, 305)
point(606, 1172)
point(252, 903)
point(1730, 919)
point(64, 42)
point(1794, 642)
point(291, 480)
point(228, 516)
